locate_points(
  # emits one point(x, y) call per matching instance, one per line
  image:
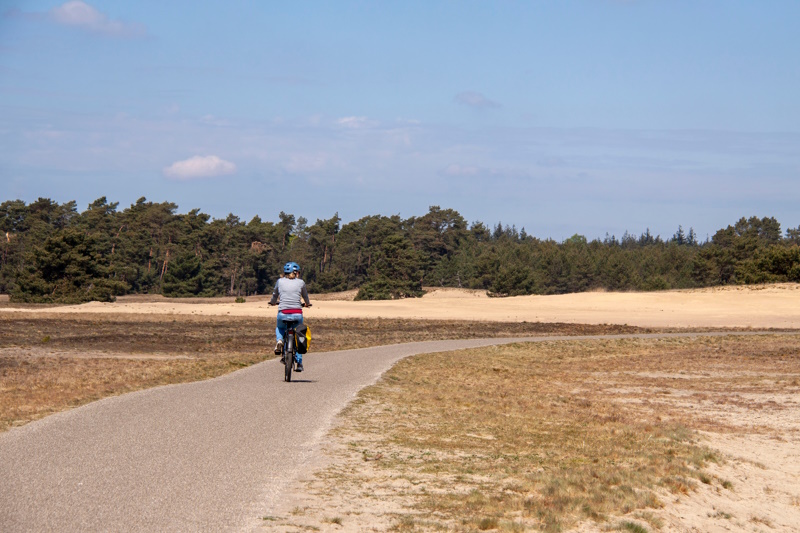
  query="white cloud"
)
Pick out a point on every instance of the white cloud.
point(473, 99)
point(355, 122)
point(81, 15)
point(199, 167)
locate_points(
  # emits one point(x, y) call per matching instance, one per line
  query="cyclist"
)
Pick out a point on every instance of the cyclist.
point(293, 296)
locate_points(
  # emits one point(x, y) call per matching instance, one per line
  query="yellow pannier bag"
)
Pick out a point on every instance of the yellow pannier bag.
point(303, 338)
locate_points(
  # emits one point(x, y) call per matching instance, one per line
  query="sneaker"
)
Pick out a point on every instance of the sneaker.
point(283, 360)
point(299, 367)
point(279, 348)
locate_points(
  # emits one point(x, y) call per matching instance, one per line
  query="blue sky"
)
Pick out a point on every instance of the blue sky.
point(562, 117)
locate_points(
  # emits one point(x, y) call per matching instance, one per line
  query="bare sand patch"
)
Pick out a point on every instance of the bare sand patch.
point(764, 306)
point(765, 495)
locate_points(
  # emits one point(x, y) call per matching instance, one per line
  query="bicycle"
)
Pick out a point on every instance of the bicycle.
point(289, 351)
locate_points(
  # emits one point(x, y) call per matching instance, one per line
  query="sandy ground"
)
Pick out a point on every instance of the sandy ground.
point(760, 463)
point(763, 466)
point(763, 471)
point(767, 306)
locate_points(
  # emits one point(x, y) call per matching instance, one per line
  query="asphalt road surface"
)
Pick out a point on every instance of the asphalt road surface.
point(208, 456)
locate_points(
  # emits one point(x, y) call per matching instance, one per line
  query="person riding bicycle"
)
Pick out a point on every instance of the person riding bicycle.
point(289, 289)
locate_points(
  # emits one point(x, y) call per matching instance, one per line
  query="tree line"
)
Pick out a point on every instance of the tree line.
point(50, 252)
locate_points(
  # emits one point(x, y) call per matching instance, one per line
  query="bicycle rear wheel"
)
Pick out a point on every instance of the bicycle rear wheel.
point(288, 355)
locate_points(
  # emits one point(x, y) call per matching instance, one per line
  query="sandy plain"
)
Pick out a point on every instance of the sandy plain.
point(763, 464)
point(760, 307)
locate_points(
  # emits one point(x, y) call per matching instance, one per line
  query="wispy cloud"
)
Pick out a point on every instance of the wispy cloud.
point(502, 173)
point(454, 170)
point(474, 99)
point(81, 15)
point(600, 180)
point(199, 167)
point(356, 122)
point(551, 161)
point(303, 163)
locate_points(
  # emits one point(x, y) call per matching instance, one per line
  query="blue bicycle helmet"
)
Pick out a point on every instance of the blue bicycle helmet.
point(290, 267)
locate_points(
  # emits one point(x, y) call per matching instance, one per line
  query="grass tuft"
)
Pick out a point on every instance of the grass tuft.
point(486, 524)
point(633, 527)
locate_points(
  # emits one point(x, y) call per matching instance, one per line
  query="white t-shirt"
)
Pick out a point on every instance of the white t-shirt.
point(290, 292)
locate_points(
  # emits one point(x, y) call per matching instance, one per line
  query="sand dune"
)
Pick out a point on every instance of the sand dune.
point(762, 306)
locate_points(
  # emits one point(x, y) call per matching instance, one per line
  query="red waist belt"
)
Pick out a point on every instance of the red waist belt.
point(292, 311)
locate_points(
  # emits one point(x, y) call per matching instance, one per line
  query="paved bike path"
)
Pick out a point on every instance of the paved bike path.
point(207, 456)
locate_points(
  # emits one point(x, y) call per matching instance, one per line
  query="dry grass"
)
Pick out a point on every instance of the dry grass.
point(514, 438)
point(543, 436)
point(53, 362)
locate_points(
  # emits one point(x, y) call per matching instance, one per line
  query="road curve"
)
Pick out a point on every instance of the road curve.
point(207, 456)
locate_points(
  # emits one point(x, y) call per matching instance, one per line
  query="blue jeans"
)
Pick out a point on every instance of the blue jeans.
point(280, 330)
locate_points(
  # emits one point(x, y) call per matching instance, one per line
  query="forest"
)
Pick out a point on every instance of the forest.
point(52, 253)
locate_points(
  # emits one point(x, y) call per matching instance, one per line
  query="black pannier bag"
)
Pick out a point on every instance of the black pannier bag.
point(303, 335)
